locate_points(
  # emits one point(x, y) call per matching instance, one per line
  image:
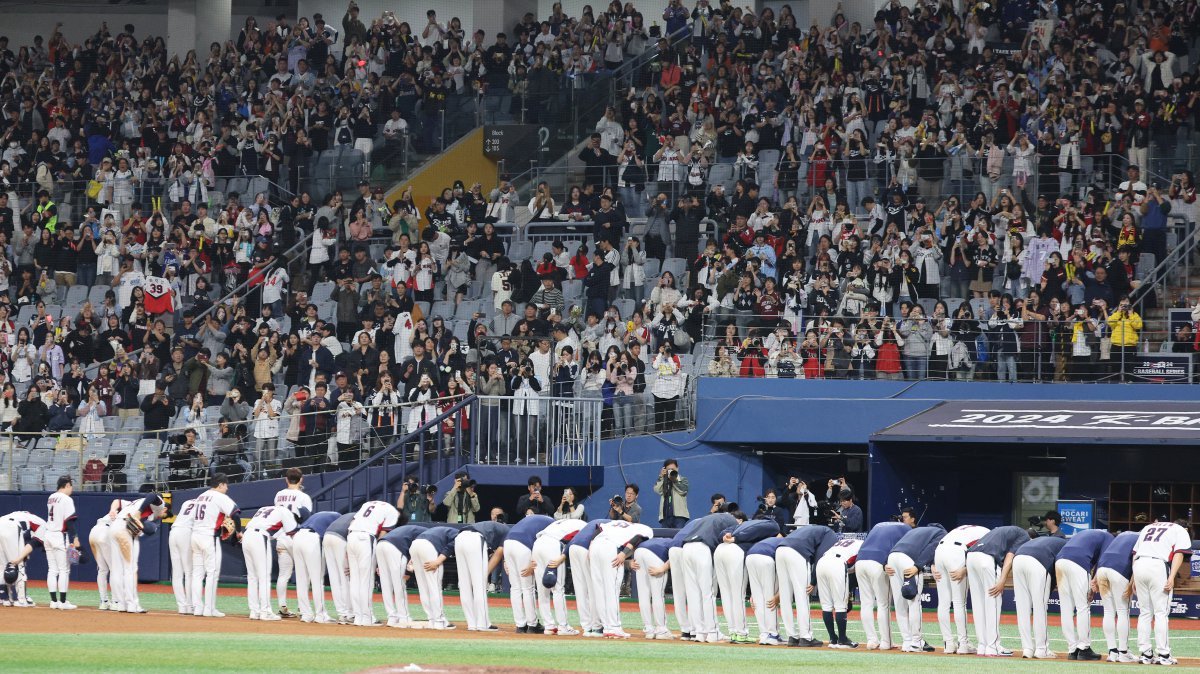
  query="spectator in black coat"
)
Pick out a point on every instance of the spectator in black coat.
point(157, 411)
point(534, 503)
point(599, 163)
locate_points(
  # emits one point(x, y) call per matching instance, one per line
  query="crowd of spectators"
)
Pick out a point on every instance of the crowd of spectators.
point(840, 247)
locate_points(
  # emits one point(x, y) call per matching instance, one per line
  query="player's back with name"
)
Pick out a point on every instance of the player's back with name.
point(212, 507)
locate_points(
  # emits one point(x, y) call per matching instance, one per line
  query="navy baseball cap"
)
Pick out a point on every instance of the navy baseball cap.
point(550, 577)
point(909, 589)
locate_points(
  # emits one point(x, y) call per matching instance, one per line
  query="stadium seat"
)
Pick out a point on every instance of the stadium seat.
point(321, 292)
point(96, 295)
point(29, 479)
point(626, 307)
point(953, 303)
point(539, 250)
point(678, 267)
point(572, 291)
point(466, 309)
point(133, 424)
point(77, 294)
point(979, 306)
point(443, 308)
point(520, 250)
point(653, 267)
point(928, 305)
point(459, 330)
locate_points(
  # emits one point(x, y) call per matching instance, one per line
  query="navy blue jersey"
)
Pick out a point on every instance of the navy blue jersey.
point(442, 539)
point(767, 547)
point(811, 541)
point(584, 536)
point(659, 546)
point(402, 537)
point(919, 544)
point(340, 527)
point(1118, 556)
point(320, 521)
point(1044, 549)
point(710, 529)
point(687, 530)
point(880, 540)
point(527, 529)
point(746, 534)
point(1085, 548)
point(1000, 541)
point(493, 533)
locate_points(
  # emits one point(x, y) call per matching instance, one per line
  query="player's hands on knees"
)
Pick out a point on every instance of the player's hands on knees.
point(810, 589)
point(995, 590)
point(958, 574)
point(889, 570)
point(634, 566)
point(657, 571)
point(937, 575)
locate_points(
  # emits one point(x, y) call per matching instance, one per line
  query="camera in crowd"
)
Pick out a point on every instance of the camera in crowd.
point(617, 501)
point(1037, 526)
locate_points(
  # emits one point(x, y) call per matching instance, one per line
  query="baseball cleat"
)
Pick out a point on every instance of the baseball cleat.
point(846, 643)
point(1028, 655)
point(306, 618)
point(718, 638)
point(1148, 658)
point(769, 640)
point(568, 631)
point(593, 634)
point(267, 615)
point(793, 642)
point(253, 615)
point(521, 629)
point(966, 648)
point(213, 614)
point(951, 648)
point(1004, 653)
point(54, 605)
point(926, 648)
point(686, 636)
point(1126, 656)
point(1074, 654)
point(1087, 654)
point(489, 628)
point(66, 606)
point(1165, 659)
point(616, 634)
point(909, 648)
point(1114, 655)
point(536, 629)
point(664, 635)
point(740, 639)
point(872, 645)
point(1045, 655)
point(104, 606)
point(550, 631)
point(285, 613)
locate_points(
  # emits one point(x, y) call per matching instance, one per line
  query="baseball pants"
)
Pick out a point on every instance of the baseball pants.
point(606, 580)
point(98, 540)
point(791, 569)
point(287, 563)
point(393, 567)
point(471, 559)
point(58, 574)
point(552, 602)
point(952, 594)
point(729, 562)
point(982, 574)
point(12, 543)
point(833, 586)
point(651, 592)
point(256, 548)
point(701, 597)
point(874, 593)
point(1074, 604)
point(521, 593)
point(760, 571)
point(679, 587)
point(908, 611)
point(333, 549)
point(581, 580)
point(429, 583)
point(123, 565)
point(1031, 592)
point(179, 542)
point(360, 557)
point(1154, 605)
point(1116, 608)
point(310, 576)
point(206, 567)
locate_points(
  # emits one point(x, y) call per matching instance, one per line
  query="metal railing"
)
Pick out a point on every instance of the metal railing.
point(539, 430)
point(996, 348)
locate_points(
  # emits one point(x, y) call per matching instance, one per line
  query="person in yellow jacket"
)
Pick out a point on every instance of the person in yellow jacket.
point(1125, 324)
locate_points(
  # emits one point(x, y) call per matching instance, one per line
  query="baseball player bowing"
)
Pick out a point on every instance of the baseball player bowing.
point(213, 519)
point(874, 589)
point(257, 541)
point(373, 519)
point(795, 568)
point(130, 520)
point(1032, 567)
point(58, 535)
point(950, 573)
point(179, 543)
point(310, 566)
point(333, 550)
point(471, 548)
point(649, 566)
point(392, 560)
point(550, 574)
point(518, 564)
point(909, 557)
point(293, 498)
point(698, 549)
point(833, 588)
point(1157, 556)
point(581, 578)
point(729, 563)
point(1113, 574)
point(429, 552)
point(989, 561)
point(1074, 568)
point(19, 535)
point(612, 546)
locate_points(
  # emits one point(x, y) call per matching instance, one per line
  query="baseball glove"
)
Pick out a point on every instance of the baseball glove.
point(133, 525)
point(227, 528)
point(73, 556)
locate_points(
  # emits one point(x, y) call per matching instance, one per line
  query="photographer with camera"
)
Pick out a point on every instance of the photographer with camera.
point(417, 500)
point(673, 488)
point(800, 501)
point(626, 508)
point(845, 515)
point(461, 500)
point(769, 509)
point(533, 503)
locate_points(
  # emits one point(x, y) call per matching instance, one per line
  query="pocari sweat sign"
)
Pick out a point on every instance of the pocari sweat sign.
point(1077, 516)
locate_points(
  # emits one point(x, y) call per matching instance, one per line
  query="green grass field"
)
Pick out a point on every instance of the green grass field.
point(248, 652)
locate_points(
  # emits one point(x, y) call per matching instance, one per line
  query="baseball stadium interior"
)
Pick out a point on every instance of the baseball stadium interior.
point(653, 263)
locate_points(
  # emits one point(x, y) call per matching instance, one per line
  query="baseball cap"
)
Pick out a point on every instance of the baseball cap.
point(909, 589)
point(550, 577)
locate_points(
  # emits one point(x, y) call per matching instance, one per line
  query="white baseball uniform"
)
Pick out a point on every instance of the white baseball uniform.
point(393, 570)
point(1113, 573)
point(908, 611)
point(606, 578)
point(679, 585)
point(98, 540)
point(581, 580)
point(16, 530)
point(1152, 556)
point(729, 566)
point(521, 593)
point(548, 546)
point(950, 556)
point(124, 550)
point(471, 559)
point(764, 584)
point(701, 589)
point(794, 576)
point(300, 504)
point(337, 566)
point(310, 567)
point(212, 507)
point(60, 509)
point(651, 590)
point(425, 549)
point(368, 523)
point(833, 575)
point(874, 590)
point(1031, 593)
point(257, 541)
point(179, 541)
